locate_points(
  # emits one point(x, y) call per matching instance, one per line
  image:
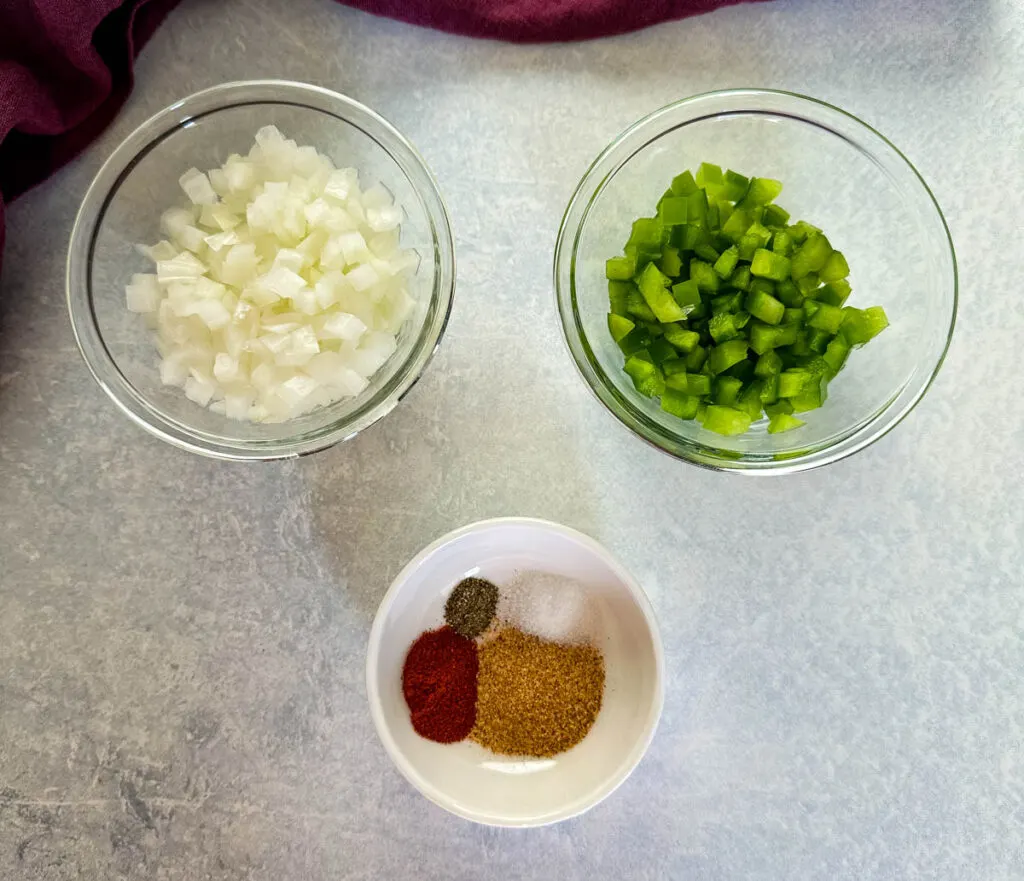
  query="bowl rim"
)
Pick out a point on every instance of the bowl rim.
point(591, 185)
point(79, 297)
point(640, 747)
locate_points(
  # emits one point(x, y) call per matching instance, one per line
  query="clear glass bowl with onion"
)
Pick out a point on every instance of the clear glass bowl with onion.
point(123, 207)
point(838, 174)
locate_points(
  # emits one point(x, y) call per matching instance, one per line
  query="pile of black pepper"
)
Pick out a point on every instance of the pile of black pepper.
point(471, 607)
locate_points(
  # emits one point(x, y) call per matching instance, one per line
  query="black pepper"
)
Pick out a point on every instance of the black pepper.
point(470, 608)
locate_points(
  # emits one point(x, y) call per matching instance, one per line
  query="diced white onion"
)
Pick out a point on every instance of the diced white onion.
point(282, 288)
point(197, 187)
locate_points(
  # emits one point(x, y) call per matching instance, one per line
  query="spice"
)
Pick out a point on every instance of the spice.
point(535, 697)
point(550, 606)
point(470, 607)
point(439, 681)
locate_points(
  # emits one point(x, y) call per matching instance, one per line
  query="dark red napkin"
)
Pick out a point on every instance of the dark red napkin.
point(66, 65)
point(538, 21)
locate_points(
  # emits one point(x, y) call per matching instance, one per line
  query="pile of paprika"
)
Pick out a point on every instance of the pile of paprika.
point(439, 684)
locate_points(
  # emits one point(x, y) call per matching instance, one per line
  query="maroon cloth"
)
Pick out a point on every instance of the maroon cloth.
point(65, 69)
point(538, 21)
point(66, 65)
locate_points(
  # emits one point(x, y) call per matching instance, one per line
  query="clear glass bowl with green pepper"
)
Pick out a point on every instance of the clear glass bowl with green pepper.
point(891, 246)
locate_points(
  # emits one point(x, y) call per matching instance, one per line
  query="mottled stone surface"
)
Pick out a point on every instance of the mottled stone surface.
point(181, 641)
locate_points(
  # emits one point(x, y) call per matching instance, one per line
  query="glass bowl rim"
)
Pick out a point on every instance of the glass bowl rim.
point(603, 168)
point(174, 117)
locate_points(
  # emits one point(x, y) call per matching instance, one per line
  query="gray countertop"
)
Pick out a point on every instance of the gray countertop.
point(182, 641)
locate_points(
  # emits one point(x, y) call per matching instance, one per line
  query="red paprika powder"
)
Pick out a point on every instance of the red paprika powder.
point(439, 684)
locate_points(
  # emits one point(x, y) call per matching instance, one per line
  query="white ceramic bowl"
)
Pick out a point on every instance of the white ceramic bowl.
point(468, 780)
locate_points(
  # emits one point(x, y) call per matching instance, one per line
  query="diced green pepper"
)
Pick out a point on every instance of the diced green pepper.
point(861, 325)
point(783, 422)
point(671, 263)
point(707, 253)
point(835, 267)
point(787, 333)
point(762, 190)
point(801, 345)
point(765, 307)
point(693, 237)
point(697, 208)
point(695, 359)
point(619, 326)
point(768, 264)
point(683, 339)
point(646, 235)
point(747, 247)
point(736, 226)
point(749, 400)
point(734, 186)
point(768, 364)
point(812, 396)
point(741, 278)
point(661, 351)
point(763, 337)
point(743, 370)
point(724, 355)
point(836, 353)
point(782, 244)
point(801, 230)
point(679, 403)
point(726, 263)
point(642, 258)
point(687, 295)
point(636, 306)
point(620, 268)
point(691, 383)
point(647, 378)
point(835, 293)
point(719, 263)
point(705, 276)
point(714, 222)
point(727, 303)
point(817, 340)
point(789, 293)
point(727, 390)
point(722, 328)
point(726, 420)
point(792, 382)
point(653, 286)
point(780, 406)
point(808, 284)
point(810, 256)
point(634, 341)
point(824, 316)
point(674, 210)
point(775, 216)
point(683, 184)
point(791, 316)
point(618, 296)
point(760, 232)
point(709, 176)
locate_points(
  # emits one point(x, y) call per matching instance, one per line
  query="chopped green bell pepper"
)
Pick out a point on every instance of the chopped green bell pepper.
point(724, 355)
point(619, 326)
point(767, 264)
point(726, 420)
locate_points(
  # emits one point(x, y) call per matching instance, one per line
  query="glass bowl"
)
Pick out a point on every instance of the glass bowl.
point(140, 179)
point(838, 174)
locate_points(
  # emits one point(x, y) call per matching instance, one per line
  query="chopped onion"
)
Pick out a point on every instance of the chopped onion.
point(282, 286)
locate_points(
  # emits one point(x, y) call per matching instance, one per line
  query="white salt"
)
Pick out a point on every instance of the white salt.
point(550, 606)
